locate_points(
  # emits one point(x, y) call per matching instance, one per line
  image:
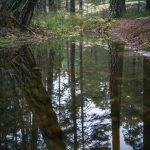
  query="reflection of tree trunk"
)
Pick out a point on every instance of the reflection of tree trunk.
point(50, 72)
point(81, 88)
point(24, 140)
point(146, 109)
point(74, 112)
point(39, 101)
point(68, 63)
point(116, 68)
point(34, 133)
point(59, 96)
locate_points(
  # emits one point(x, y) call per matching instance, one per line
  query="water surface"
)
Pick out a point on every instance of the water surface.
point(74, 94)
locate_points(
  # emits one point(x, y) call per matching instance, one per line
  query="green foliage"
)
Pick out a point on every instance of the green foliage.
point(65, 23)
point(51, 20)
point(135, 14)
point(90, 23)
point(74, 20)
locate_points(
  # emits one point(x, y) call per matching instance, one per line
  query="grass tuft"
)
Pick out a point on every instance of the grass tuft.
point(135, 14)
point(64, 23)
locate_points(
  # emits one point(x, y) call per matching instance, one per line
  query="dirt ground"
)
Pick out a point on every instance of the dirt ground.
point(134, 32)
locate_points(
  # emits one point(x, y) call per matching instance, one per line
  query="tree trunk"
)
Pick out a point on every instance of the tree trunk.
point(52, 5)
point(80, 5)
point(115, 9)
point(43, 5)
point(58, 4)
point(67, 5)
point(27, 13)
point(123, 6)
point(39, 101)
point(147, 5)
point(72, 7)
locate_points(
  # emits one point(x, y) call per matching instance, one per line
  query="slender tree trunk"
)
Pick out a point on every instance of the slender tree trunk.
point(67, 5)
point(50, 72)
point(147, 5)
point(80, 5)
point(52, 5)
point(58, 4)
point(72, 7)
point(59, 86)
point(34, 134)
point(24, 140)
point(42, 5)
point(82, 98)
point(138, 5)
point(68, 61)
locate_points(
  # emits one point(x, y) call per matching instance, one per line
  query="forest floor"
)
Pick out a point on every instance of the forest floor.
point(10, 31)
point(134, 32)
point(34, 35)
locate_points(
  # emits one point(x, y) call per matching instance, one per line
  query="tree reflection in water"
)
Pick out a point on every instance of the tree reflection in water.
point(24, 132)
point(94, 88)
point(116, 71)
point(73, 97)
point(146, 107)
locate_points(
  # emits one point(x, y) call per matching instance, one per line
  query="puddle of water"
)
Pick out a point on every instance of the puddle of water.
point(74, 94)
